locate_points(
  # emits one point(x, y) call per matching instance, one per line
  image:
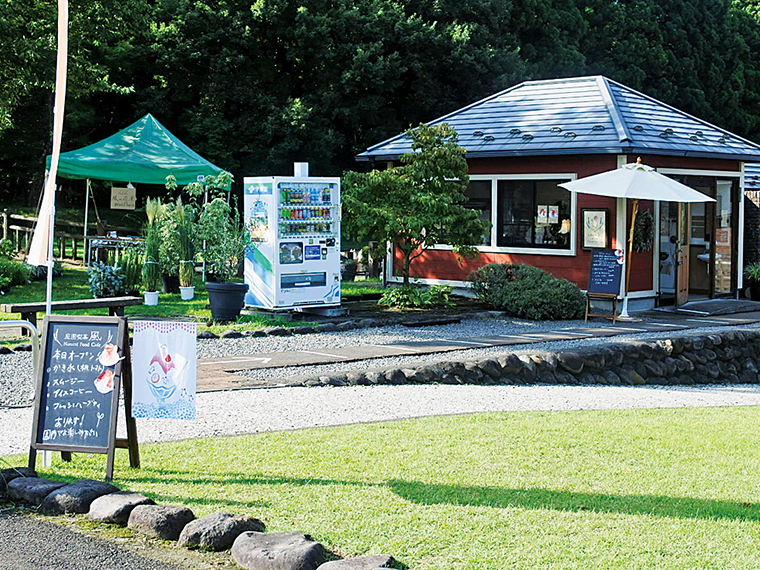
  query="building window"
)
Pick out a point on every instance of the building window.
point(478, 194)
point(533, 213)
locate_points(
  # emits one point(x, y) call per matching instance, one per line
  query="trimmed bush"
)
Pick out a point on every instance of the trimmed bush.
point(527, 292)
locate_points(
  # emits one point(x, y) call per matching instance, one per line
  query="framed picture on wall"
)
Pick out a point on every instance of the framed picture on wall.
point(594, 228)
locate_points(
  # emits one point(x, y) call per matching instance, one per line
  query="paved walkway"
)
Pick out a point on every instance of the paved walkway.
point(219, 373)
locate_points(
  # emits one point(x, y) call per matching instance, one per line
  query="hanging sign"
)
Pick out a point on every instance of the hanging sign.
point(84, 363)
point(123, 198)
point(164, 368)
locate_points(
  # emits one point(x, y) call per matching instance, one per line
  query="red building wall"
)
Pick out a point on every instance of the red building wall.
point(445, 265)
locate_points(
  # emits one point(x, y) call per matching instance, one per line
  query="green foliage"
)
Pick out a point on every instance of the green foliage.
point(413, 296)
point(752, 272)
point(106, 280)
point(131, 261)
point(643, 232)
point(39, 272)
point(151, 271)
point(527, 292)
point(418, 204)
point(225, 239)
point(168, 239)
point(12, 272)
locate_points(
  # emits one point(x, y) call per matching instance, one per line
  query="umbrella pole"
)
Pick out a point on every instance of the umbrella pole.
point(624, 311)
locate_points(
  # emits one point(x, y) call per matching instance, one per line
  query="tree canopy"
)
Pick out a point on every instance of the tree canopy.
point(417, 204)
point(254, 85)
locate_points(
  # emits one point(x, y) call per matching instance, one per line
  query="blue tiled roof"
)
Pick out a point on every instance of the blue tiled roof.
point(751, 176)
point(582, 115)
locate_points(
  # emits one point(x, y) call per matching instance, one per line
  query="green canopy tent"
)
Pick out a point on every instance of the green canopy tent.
point(145, 152)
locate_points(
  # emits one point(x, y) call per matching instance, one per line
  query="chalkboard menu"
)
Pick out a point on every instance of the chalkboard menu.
point(605, 272)
point(78, 382)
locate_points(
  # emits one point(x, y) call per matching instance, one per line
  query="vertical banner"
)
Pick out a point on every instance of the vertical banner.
point(164, 370)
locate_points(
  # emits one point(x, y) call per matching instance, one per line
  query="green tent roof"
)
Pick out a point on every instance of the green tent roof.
point(145, 152)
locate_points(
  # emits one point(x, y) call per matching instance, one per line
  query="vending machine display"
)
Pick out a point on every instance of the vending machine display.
point(293, 259)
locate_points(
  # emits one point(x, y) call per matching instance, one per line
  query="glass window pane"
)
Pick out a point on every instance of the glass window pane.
point(479, 198)
point(533, 213)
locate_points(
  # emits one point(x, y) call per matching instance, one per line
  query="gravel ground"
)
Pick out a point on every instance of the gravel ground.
point(253, 411)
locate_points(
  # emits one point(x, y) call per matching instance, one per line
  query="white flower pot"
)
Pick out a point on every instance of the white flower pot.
point(151, 298)
point(187, 293)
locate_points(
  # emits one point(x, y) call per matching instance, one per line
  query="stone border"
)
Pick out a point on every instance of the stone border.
point(251, 547)
point(730, 356)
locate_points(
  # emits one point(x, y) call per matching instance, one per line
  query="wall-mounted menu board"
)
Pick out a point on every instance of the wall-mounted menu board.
point(83, 364)
point(605, 271)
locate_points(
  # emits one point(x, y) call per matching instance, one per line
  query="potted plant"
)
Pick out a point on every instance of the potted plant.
point(752, 274)
point(186, 248)
point(224, 236)
point(106, 280)
point(151, 272)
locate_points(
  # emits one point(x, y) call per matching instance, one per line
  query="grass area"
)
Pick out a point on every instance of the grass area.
point(669, 489)
point(73, 285)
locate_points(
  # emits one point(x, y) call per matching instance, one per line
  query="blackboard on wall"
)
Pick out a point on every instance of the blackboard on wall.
point(605, 271)
point(82, 364)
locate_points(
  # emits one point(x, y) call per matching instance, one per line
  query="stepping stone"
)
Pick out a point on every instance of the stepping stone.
point(160, 521)
point(277, 551)
point(116, 507)
point(361, 563)
point(76, 497)
point(217, 531)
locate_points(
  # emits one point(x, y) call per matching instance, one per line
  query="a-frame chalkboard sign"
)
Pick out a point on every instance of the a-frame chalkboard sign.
point(604, 280)
point(84, 363)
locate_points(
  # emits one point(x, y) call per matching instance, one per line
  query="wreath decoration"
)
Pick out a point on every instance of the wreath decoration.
point(643, 232)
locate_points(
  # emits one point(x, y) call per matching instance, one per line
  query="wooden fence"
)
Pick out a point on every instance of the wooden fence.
point(68, 242)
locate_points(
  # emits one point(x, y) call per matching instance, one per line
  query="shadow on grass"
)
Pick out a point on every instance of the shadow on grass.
point(655, 505)
point(476, 496)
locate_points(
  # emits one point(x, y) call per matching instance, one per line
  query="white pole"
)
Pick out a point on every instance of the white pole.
point(60, 101)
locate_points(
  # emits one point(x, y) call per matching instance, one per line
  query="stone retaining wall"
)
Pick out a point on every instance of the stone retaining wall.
point(727, 357)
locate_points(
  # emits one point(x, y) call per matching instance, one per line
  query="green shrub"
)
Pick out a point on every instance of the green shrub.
point(527, 292)
point(414, 296)
point(12, 272)
point(106, 280)
point(39, 272)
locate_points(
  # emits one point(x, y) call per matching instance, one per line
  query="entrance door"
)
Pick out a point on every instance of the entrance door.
point(682, 255)
point(674, 253)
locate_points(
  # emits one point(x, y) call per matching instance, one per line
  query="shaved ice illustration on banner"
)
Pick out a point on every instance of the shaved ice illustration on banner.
point(164, 370)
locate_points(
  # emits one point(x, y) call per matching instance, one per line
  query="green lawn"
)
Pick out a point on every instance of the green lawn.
point(612, 489)
point(73, 285)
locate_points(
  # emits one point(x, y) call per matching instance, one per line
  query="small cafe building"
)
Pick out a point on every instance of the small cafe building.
point(524, 141)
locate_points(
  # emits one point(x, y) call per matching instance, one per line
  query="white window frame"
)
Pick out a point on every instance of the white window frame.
point(495, 178)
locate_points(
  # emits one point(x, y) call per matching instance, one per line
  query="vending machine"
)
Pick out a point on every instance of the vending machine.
point(293, 259)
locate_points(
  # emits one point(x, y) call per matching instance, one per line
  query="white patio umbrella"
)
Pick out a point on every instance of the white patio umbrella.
point(636, 181)
point(41, 248)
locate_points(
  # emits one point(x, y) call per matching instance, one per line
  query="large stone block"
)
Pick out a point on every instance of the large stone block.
point(116, 507)
point(160, 521)
point(361, 563)
point(76, 497)
point(32, 490)
point(277, 551)
point(217, 531)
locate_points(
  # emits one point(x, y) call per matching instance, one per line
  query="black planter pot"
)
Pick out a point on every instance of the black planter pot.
point(226, 299)
point(754, 290)
point(170, 284)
